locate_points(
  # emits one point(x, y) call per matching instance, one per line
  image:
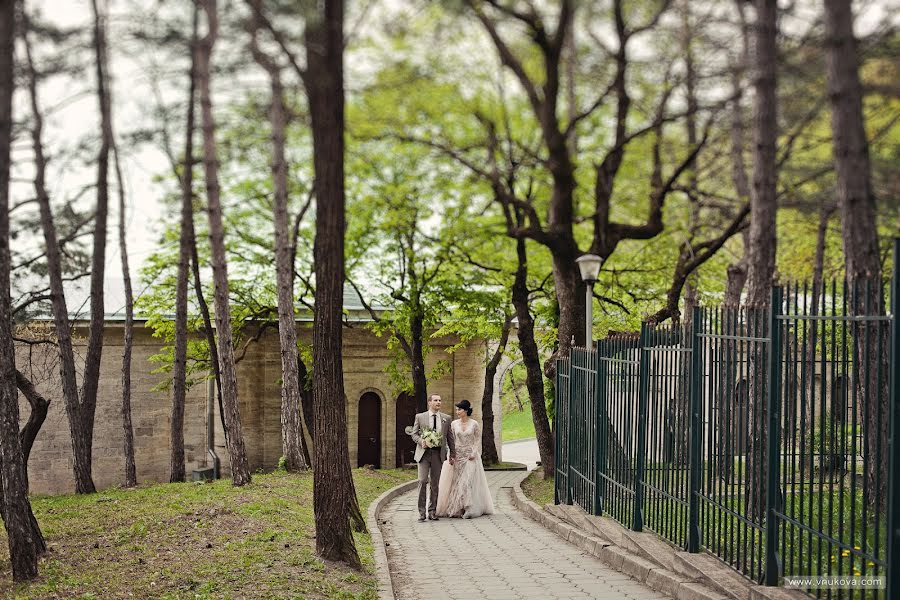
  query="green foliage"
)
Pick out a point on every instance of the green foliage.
point(246, 190)
point(420, 111)
point(406, 243)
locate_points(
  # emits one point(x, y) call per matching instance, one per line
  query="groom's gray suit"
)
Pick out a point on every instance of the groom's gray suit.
point(431, 459)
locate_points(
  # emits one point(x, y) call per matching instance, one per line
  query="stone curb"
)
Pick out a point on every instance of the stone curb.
point(677, 585)
point(642, 570)
point(385, 587)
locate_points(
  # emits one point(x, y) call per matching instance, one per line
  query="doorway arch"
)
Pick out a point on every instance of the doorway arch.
point(368, 434)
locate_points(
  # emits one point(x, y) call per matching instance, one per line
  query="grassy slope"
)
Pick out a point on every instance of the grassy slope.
point(539, 491)
point(518, 425)
point(195, 540)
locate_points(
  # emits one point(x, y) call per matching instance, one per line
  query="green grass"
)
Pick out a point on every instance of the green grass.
point(505, 466)
point(518, 425)
point(539, 491)
point(824, 507)
point(196, 540)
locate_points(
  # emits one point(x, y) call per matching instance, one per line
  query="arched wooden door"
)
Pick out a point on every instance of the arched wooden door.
point(369, 431)
point(406, 413)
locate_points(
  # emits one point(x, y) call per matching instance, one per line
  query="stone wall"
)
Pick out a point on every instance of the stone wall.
point(259, 393)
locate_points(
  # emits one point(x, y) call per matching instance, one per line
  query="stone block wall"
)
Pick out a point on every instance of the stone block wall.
point(259, 394)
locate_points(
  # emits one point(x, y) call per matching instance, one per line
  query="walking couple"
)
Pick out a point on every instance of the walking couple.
point(449, 456)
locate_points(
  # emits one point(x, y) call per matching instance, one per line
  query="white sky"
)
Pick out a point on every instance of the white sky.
point(71, 113)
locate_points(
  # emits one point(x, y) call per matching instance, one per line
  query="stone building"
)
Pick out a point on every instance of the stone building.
point(376, 414)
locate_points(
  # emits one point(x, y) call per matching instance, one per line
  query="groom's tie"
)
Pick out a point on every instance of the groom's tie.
point(434, 421)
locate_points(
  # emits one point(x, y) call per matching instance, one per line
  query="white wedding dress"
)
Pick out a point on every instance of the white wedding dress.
point(463, 487)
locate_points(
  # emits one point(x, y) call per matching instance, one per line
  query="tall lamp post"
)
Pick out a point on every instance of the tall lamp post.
point(589, 265)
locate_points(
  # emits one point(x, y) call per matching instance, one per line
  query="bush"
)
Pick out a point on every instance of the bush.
point(833, 445)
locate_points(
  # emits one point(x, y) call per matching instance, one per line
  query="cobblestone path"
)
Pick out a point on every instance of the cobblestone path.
point(499, 556)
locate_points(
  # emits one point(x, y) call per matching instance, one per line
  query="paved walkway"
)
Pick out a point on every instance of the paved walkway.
point(499, 556)
point(522, 451)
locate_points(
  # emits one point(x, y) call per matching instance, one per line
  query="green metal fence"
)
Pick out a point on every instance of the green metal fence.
point(760, 435)
point(733, 345)
point(617, 384)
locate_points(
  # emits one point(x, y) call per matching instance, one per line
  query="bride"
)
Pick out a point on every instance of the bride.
point(463, 488)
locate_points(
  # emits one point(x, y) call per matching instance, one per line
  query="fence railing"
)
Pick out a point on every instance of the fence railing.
point(760, 435)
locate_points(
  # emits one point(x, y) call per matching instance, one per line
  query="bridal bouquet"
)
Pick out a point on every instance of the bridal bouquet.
point(432, 437)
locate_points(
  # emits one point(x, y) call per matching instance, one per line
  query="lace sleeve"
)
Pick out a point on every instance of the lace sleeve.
point(476, 447)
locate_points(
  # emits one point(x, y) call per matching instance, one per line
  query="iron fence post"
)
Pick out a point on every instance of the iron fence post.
point(569, 437)
point(773, 406)
point(600, 436)
point(557, 457)
point(696, 387)
point(641, 457)
point(893, 504)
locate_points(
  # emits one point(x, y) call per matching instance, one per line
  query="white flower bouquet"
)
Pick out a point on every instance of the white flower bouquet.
point(432, 437)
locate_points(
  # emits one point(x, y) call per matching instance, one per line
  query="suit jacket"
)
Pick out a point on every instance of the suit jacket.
point(422, 421)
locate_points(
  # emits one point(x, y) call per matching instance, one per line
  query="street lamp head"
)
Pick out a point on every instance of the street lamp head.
point(589, 265)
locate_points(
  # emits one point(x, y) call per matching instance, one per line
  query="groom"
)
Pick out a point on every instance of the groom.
point(430, 459)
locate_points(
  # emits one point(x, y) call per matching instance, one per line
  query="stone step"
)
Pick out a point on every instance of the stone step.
point(558, 511)
point(649, 546)
point(713, 573)
point(761, 592)
point(602, 527)
point(575, 516)
point(609, 528)
point(646, 556)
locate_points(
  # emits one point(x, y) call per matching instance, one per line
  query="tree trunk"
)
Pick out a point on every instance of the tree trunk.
point(333, 491)
point(515, 390)
point(680, 425)
point(488, 443)
point(762, 235)
point(816, 294)
point(127, 428)
point(291, 424)
point(185, 247)
point(82, 420)
point(736, 277)
point(39, 407)
point(83, 483)
point(856, 200)
point(851, 149)
point(240, 467)
point(208, 330)
point(417, 357)
point(570, 296)
point(24, 538)
point(534, 379)
point(306, 400)
point(765, 134)
point(571, 63)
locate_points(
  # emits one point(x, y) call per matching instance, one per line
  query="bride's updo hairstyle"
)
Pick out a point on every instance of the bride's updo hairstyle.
point(466, 406)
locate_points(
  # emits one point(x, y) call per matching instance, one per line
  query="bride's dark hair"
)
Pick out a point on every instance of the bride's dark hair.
point(466, 406)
